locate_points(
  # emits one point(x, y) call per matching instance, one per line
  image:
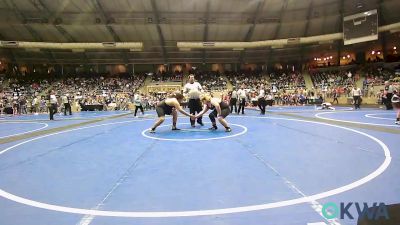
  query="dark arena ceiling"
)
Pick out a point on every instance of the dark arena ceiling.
point(160, 24)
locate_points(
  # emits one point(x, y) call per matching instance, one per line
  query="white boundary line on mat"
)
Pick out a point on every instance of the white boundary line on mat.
point(144, 133)
point(206, 212)
point(26, 132)
point(372, 115)
point(318, 115)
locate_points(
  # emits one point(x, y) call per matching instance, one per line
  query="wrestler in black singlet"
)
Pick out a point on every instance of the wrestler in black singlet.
point(225, 111)
point(163, 109)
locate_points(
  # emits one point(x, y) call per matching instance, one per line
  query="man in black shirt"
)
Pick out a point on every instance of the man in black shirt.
point(387, 99)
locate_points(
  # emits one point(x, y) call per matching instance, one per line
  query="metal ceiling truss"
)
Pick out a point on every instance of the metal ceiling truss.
point(250, 32)
point(206, 28)
point(108, 21)
point(340, 29)
point(40, 6)
point(307, 27)
point(34, 34)
point(159, 31)
point(8, 51)
point(278, 27)
point(381, 21)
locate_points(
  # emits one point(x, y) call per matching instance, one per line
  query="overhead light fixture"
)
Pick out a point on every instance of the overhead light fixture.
point(9, 43)
point(209, 44)
point(109, 44)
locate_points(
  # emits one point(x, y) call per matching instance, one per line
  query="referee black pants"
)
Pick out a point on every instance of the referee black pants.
point(137, 107)
point(195, 107)
point(388, 101)
point(232, 103)
point(357, 102)
point(335, 99)
point(52, 110)
point(261, 104)
point(67, 108)
point(242, 104)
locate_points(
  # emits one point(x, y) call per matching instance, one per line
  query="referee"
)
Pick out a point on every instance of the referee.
point(356, 92)
point(193, 90)
point(52, 104)
point(138, 100)
point(261, 99)
point(67, 104)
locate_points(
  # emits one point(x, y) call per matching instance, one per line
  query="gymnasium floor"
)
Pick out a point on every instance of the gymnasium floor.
point(104, 168)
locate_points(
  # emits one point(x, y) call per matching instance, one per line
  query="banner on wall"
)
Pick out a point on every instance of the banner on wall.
point(163, 88)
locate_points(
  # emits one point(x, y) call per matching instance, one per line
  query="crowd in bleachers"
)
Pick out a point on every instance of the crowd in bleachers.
point(24, 96)
point(211, 81)
point(287, 80)
point(18, 94)
point(334, 78)
point(300, 96)
point(101, 91)
point(334, 83)
point(285, 88)
point(167, 76)
point(251, 80)
point(29, 94)
point(377, 75)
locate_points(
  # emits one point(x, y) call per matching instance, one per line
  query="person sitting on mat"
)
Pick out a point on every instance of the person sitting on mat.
point(167, 107)
point(326, 105)
point(220, 110)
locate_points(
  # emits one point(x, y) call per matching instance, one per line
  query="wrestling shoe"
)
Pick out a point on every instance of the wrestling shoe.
point(228, 129)
point(152, 131)
point(397, 122)
point(174, 128)
point(213, 128)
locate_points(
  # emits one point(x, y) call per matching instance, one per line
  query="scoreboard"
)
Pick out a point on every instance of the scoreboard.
point(360, 27)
